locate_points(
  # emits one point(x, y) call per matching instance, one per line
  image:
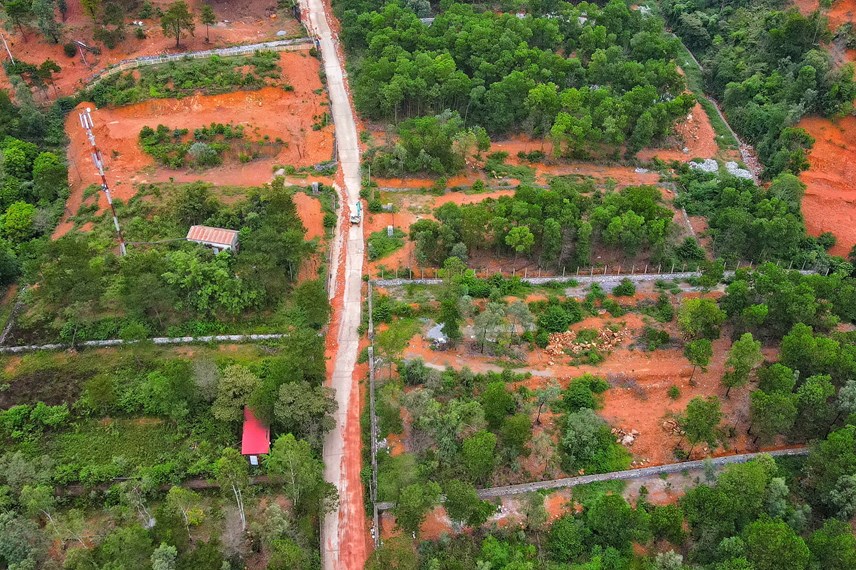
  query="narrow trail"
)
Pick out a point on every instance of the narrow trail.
point(344, 530)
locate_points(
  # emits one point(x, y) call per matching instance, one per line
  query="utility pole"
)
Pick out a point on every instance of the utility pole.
point(5, 45)
point(87, 124)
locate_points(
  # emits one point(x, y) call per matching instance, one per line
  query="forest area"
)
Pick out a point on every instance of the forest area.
point(766, 64)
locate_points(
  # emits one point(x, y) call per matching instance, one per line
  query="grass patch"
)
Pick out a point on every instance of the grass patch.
point(140, 442)
point(380, 244)
point(589, 493)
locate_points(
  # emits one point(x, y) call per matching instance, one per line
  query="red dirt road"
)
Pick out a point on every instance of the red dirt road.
point(830, 198)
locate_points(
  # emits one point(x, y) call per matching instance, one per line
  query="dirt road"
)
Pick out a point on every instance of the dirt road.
point(343, 533)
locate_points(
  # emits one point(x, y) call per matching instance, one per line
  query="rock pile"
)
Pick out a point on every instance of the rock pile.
point(566, 342)
point(672, 427)
point(625, 438)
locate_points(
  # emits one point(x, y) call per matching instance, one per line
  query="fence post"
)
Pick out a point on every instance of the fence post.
point(604, 269)
point(646, 268)
point(673, 267)
point(804, 262)
point(563, 271)
point(659, 268)
point(633, 269)
point(619, 270)
point(525, 272)
point(591, 271)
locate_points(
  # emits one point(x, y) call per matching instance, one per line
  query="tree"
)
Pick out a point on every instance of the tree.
point(845, 403)
point(164, 556)
point(50, 177)
point(833, 546)
point(233, 476)
point(842, 498)
point(413, 505)
point(770, 414)
point(186, 503)
point(545, 396)
point(611, 521)
point(813, 404)
point(19, 221)
point(569, 539)
point(700, 419)
point(43, 10)
point(699, 353)
point(177, 19)
point(395, 553)
point(700, 318)
point(520, 239)
point(19, 13)
point(310, 297)
point(91, 7)
point(464, 505)
point(450, 295)
point(207, 18)
point(233, 393)
point(516, 432)
point(497, 403)
point(302, 474)
point(478, 455)
point(38, 501)
point(305, 411)
point(744, 356)
point(773, 545)
point(488, 324)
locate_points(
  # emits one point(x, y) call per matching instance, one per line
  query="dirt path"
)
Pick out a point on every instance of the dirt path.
point(343, 532)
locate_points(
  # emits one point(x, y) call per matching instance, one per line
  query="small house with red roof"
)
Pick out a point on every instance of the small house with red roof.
point(255, 440)
point(218, 239)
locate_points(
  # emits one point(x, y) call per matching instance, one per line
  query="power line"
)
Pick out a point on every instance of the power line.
point(87, 124)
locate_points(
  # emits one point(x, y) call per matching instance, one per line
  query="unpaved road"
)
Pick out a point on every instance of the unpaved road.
point(343, 532)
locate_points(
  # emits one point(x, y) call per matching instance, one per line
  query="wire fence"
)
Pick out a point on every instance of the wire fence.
point(534, 273)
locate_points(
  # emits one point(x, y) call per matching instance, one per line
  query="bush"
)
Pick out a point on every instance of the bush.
point(583, 392)
point(70, 49)
point(624, 289)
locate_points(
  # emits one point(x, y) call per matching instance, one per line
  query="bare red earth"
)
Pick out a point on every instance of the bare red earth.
point(830, 199)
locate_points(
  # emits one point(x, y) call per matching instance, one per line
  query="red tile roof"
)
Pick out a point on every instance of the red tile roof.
point(256, 437)
point(210, 235)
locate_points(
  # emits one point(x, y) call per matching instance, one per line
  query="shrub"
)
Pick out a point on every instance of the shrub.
point(674, 392)
point(70, 49)
point(625, 289)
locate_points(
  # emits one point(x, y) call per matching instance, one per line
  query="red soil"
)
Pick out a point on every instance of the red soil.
point(830, 199)
point(249, 21)
point(309, 210)
point(268, 111)
point(694, 133)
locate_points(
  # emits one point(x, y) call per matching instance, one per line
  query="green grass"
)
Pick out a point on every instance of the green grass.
point(139, 442)
point(381, 245)
point(695, 82)
point(587, 494)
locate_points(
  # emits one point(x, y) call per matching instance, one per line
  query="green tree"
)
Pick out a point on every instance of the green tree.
point(207, 18)
point(464, 505)
point(546, 396)
point(698, 352)
point(164, 557)
point(744, 356)
point(176, 19)
point(770, 415)
point(611, 521)
point(478, 454)
point(450, 295)
point(233, 393)
point(19, 222)
point(302, 474)
point(43, 10)
point(310, 297)
point(413, 505)
point(700, 318)
point(395, 553)
point(233, 476)
point(568, 540)
point(50, 177)
point(489, 324)
point(516, 432)
point(19, 13)
point(700, 420)
point(305, 411)
point(520, 239)
point(497, 403)
point(813, 404)
point(833, 546)
point(773, 545)
point(187, 504)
